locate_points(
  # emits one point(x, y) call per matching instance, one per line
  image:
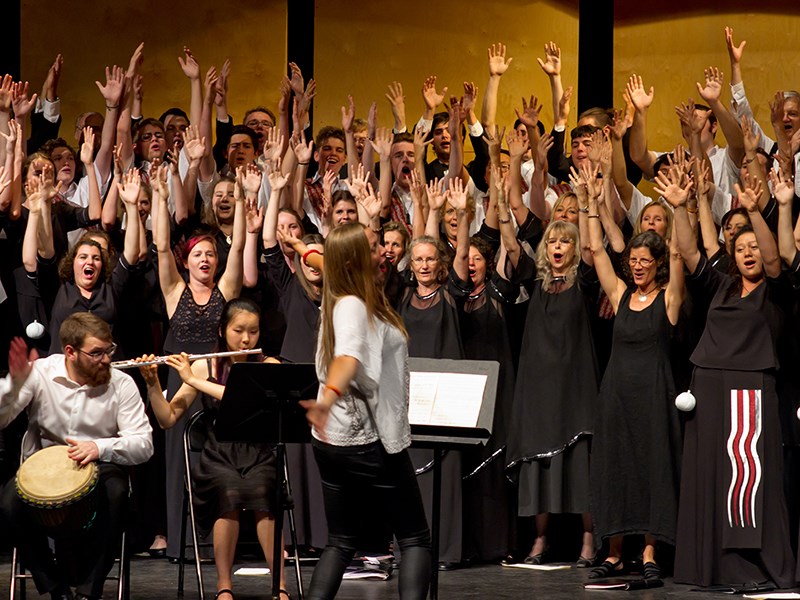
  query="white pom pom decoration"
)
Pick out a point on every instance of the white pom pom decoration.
point(685, 401)
point(34, 330)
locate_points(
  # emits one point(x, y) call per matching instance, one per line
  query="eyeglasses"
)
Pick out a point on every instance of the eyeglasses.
point(644, 262)
point(424, 261)
point(146, 137)
point(98, 355)
point(265, 124)
point(564, 241)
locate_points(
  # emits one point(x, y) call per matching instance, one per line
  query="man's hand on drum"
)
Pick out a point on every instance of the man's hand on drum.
point(149, 372)
point(20, 361)
point(83, 452)
point(180, 362)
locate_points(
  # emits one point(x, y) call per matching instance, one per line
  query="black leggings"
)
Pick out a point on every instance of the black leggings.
point(357, 480)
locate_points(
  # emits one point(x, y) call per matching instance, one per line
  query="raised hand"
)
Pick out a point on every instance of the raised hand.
point(11, 136)
point(370, 201)
point(357, 182)
point(497, 60)
point(563, 105)
point(273, 144)
point(589, 176)
point(618, 125)
point(712, 90)
point(630, 109)
point(517, 145)
point(209, 83)
point(189, 64)
point(304, 100)
point(297, 82)
point(129, 186)
point(34, 198)
point(494, 140)
point(254, 216)
point(160, 180)
point(641, 99)
point(457, 194)
point(543, 147)
point(551, 64)
point(782, 187)
point(749, 137)
point(50, 86)
point(470, 97)
point(420, 143)
point(302, 149)
point(193, 144)
point(430, 96)
point(668, 185)
point(530, 112)
point(286, 94)
point(348, 115)
point(734, 52)
point(251, 179)
point(606, 152)
point(115, 84)
point(87, 148)
point(690, 117)
point(382, 144)
point(748, 197)
point(593, 152)
point(328, 179)
point(20, 102)
point(221, 88)
point(277, 180)
point(6, 92)
point(397, 101)
point(137, 58)
point(417, 189)
point(436, 195)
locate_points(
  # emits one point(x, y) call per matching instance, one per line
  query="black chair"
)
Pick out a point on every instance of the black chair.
point(194, 437)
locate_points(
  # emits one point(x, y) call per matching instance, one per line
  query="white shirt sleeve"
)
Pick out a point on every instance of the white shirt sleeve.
point(350, 323)
point(741, 107)
point(134, 444)
point(638, 202)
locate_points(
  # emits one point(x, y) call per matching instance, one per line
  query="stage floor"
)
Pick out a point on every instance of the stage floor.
point(157, 579)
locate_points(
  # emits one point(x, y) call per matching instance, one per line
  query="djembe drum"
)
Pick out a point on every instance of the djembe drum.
point(58, 490)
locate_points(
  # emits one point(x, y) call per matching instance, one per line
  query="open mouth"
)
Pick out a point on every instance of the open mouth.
point(749, 264)
point(205, 268)
point(472, 273)
point(557, 256)
point(406, 171)
point(88, 272)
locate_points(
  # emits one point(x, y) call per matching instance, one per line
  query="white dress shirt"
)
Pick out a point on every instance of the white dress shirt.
point(111, 415)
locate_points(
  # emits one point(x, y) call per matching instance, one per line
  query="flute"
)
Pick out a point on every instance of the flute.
point(160, 360)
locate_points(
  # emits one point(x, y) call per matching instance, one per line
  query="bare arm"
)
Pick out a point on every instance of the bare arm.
point(172, 285)
point(551, 65)
point(128, 190)
point(87, 149)
point(711, 93)
point(112, 93)
point(230, 284)
point(637, 141)
point(457, 196)
point(766, 241)
point(497, 67)
point(516, 148)
point(784, 195)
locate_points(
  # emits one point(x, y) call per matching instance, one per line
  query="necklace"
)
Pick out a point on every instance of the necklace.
point(643, 297)
point(427, 296)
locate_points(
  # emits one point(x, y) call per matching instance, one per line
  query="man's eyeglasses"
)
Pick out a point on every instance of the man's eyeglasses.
point(97, 355)
point(265, 124)
point(146, 137)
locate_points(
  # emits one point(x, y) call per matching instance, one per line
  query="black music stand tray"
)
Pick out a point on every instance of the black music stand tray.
point(442, 437)
point(261, 405)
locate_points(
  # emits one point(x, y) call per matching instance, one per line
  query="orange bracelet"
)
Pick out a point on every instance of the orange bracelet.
point(335, 390)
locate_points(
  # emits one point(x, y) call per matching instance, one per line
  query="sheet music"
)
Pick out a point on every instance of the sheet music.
point(451, 399)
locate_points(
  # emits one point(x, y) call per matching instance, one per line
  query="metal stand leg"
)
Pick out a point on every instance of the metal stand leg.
point(435, 510)
point(293, 533)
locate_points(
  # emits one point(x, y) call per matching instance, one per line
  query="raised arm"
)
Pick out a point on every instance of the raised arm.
point(766, 241)
point(128, 190)
point(618, 171)
point(613, 286)
point(711, 93)
point(637, 141)
point(248, 181)
point(705, 217)
point(436, 199)
point(172, 285)
point(457, 196)
point(508, 234)
point(31, 241)
point(112, 93)
point(277, 181)
point(11, 196)
point(431, 97)
point(516, 149)
point(551, 65)
point(254, 219)
point(675, 191)
point(397, 101)
point(348, 116)
point(613, 233)
point(303, 151)
point(539, 205)
point(207, 164)
point(191, 69)
point(735, 54)
point(111, 207)
point(498, 65)
point(87, 150)
point(420, 200)
point(382, 145)
point(124, 137)
point(754, 170)
point(783, 190)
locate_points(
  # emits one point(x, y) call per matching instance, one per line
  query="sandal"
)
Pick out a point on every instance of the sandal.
point(224, 591)
point(585, 562)
point(651, 571)
point(288, 595)
point(607, 569)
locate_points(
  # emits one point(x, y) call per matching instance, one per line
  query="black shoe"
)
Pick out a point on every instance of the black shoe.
point(157, 552)
point(449, 566)
point(62, 594)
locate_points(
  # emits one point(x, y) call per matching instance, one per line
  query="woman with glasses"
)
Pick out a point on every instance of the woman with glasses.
point(89, 280)
point(635, 466)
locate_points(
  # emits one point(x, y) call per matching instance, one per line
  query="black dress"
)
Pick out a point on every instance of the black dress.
point(488, 495)
point(231, 476)
point(555, 394)
point(733, 526)
point(192, 329)
point(433, 332)
point(635, 468)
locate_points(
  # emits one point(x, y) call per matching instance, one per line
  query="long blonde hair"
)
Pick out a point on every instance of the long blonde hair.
point(544, 270)
point(349, 272)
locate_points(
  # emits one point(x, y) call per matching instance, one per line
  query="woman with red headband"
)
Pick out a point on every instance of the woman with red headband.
point(194, 308)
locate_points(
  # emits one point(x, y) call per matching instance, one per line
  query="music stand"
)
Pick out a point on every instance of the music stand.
point(440, 436)
point(261, 404)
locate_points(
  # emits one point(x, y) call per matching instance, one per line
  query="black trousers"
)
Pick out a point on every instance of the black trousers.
point(365, 488)
point(82, 559)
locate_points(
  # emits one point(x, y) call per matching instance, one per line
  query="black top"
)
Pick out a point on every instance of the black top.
point(432, 324)
point(300, 311)
point(741, 334)
point(193, 327)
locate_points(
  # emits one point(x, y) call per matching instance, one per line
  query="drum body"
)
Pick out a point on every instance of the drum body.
point(59, 492)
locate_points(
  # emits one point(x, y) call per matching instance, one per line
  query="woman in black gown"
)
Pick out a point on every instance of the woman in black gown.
point(230, 476)
point(554, 397)
point(634, 473)
point(733, 525)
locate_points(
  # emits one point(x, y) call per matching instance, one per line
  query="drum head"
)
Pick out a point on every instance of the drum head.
point(50, 477)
